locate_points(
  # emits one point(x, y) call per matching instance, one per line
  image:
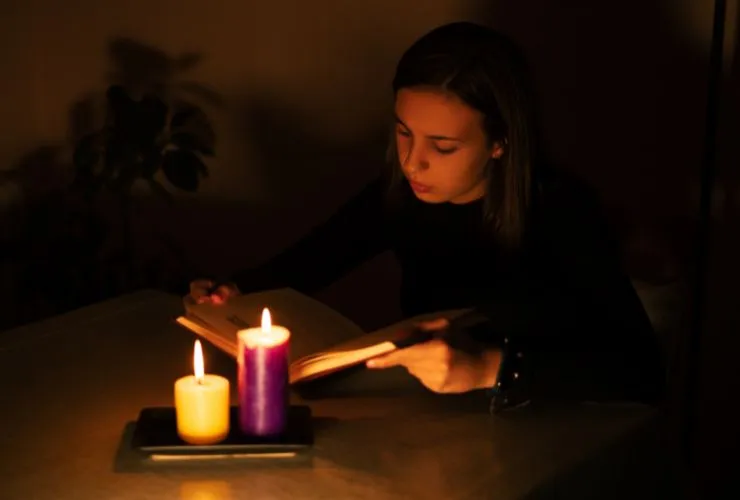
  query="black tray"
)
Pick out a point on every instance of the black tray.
point(155, 435)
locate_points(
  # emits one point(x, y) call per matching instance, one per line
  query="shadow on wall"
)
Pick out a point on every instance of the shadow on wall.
point(68, 244)
point(64, 250)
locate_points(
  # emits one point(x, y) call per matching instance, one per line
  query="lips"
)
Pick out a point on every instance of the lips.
point(419, 188)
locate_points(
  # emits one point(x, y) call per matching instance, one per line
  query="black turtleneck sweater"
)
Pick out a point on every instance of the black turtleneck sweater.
point(565, 314)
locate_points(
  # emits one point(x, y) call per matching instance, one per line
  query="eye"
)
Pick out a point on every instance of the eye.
point(445, 151)
point(403, 133)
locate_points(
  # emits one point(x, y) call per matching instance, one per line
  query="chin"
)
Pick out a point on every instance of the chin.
point(429, 197)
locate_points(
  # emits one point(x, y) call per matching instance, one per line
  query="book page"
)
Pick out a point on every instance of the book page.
point(313, 326)
point(226, 343)
point(389, 333)
point(321, 341)
point(362, 348)
point(321, 364)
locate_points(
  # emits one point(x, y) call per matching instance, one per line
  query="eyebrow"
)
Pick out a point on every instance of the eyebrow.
point(433, 137)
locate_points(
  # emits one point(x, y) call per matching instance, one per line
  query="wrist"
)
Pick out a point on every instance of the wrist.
point(490, 367)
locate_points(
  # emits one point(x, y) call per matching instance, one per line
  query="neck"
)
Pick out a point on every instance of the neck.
point(474, 194)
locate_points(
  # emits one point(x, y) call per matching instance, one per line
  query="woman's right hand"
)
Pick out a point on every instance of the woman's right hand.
point(201, 291)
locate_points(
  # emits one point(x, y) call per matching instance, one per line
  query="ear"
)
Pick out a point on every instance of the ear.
point(497, 150)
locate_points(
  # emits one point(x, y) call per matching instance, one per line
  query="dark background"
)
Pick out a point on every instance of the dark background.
point(299, 93)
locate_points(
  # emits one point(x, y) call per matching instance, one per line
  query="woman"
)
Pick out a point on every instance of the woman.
point(476, 220)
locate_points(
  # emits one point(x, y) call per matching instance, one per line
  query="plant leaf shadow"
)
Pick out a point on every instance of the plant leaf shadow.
point(62, 251)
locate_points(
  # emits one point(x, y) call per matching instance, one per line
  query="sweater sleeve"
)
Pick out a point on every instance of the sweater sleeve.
point(568, 320)
point(353, 234)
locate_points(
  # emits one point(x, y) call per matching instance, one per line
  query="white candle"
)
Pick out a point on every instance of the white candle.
point(202, 404)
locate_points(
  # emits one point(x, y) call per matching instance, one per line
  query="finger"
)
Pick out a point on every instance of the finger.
point(395, 358)
point(200, 287)
point(434, 324)
point(230, 290)
point(407, 356)
point(222, 294)
point(197, 298)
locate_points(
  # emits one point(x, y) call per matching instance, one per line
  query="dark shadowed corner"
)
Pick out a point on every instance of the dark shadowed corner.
point(623, 98)
point(34, 234)
point(607, 113)
point(717, 372)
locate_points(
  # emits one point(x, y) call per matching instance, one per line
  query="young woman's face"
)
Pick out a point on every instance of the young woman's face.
point(442, 148)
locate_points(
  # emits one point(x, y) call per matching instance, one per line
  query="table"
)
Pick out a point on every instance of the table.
point(72, 383)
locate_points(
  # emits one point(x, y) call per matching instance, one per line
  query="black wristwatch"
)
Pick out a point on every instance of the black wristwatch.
point(510, 390)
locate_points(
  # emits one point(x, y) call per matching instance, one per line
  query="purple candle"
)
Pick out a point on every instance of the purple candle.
point(263, 378)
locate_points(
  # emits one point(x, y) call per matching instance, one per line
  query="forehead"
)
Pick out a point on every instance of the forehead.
point(436, 112)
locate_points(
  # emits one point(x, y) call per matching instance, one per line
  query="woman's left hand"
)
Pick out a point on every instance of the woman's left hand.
point(440, 367)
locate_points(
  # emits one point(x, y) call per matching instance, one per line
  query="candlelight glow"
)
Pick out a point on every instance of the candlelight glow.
point(266, 336)
point(198, 362)
point(266, 320)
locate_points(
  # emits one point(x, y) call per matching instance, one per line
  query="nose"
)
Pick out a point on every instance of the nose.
point(413, 160)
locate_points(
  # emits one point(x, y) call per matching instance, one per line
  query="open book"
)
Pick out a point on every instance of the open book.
point(322, 340)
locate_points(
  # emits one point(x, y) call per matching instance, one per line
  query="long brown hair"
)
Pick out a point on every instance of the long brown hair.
point(488, 72)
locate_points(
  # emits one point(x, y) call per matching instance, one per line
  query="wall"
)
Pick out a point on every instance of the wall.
point(307, 101)
point(307, 96)
point(306, 85)
point(607, 82)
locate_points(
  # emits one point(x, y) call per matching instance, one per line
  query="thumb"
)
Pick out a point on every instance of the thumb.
point(394, 358)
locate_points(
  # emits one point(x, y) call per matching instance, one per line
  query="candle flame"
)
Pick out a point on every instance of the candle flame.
point(198, 362)
point(266, 320)
point(266, 336)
